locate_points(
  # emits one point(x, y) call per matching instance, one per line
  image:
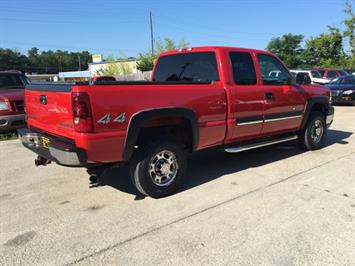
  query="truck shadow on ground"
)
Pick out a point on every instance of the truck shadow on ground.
point(208, 165)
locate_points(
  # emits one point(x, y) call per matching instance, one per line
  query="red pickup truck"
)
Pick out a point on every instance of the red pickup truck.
point(198, 98)
point(12, 113)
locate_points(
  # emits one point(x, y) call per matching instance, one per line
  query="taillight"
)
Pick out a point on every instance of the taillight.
point(82, 116)
point(4, 104)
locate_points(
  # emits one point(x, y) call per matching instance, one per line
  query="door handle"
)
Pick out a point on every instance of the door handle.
point(269, 95)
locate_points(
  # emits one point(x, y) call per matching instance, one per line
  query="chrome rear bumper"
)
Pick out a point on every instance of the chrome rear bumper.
point(56, 150)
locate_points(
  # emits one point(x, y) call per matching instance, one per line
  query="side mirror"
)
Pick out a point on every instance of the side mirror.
point(303, 79)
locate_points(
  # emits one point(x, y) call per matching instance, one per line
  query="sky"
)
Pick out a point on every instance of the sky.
point(121, 28)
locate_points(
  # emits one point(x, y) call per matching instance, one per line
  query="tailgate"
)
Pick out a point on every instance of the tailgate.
point(49, 107)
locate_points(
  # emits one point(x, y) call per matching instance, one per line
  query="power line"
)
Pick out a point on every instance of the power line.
point(71, 21)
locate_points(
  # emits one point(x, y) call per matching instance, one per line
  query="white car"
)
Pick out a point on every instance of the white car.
point(314, 75)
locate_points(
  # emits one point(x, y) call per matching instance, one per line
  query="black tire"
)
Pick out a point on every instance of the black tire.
point(142, 173)
point(308, 137)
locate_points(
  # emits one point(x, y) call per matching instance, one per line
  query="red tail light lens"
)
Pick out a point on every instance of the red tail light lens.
point(82, 116)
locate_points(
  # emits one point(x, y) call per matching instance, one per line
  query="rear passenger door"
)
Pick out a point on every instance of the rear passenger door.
point(246, 96)
point(283, 102)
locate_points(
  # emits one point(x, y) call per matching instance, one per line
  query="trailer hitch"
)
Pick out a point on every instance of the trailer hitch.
point(42, 161)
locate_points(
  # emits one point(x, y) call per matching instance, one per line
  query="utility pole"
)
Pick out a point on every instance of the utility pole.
point(151, 31)
point(79, 62)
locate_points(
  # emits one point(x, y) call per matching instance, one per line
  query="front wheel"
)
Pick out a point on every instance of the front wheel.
point(158, 167)
point(312, 136)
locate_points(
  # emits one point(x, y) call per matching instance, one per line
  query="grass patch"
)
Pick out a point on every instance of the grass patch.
point(8, 136)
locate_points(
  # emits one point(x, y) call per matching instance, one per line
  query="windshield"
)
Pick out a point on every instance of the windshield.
point(193, 67)
point(350, 80)
point(334, 81)
point(316, 74)
point(343, 72)
point(12, 81)
point(346, 80)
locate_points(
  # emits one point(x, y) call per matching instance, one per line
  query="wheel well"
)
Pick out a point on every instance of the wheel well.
point(316, 104)
point(176, 128)
point(320, 107)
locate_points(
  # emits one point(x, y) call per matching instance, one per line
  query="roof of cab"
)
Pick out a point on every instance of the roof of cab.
point(210, 49)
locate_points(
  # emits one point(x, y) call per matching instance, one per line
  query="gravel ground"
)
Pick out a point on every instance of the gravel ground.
point(275, 205)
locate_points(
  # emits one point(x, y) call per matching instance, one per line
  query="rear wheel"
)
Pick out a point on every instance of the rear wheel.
point(158, 167)
point(312, 136)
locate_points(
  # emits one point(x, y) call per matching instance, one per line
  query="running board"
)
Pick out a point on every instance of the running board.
point(260, 144)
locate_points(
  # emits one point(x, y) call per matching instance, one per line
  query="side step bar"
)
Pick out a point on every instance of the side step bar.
point(259, 144)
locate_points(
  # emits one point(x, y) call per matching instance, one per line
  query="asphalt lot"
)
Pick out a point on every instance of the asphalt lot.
point(275, 205)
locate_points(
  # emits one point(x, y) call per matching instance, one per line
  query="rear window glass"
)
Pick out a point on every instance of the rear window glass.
point(12, 81)
point(194, 67)
point(105, 79)
point(243, 68)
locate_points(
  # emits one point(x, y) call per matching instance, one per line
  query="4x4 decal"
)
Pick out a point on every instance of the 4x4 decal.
point(107, 118)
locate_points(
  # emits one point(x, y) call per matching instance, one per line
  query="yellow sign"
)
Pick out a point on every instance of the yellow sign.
point(96, 58)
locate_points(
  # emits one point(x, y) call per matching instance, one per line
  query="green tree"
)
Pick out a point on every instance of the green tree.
point(13, 60)
point(350, 27)
point(326, 50)
point(287, 48)
point(34, 58)
point(169, 44)
point(46, 62)
point(146, 60)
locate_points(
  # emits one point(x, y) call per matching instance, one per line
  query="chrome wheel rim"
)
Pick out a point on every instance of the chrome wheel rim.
point(163, 168)
point(317, 130)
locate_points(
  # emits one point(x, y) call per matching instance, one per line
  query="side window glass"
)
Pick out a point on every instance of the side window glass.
point(243, 68)
point(332, 74)
point(272, 71)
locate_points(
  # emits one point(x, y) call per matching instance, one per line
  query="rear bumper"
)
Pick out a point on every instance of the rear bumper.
point(12, 122)
point(343, 99)
point(58, 151)
point(330, 116)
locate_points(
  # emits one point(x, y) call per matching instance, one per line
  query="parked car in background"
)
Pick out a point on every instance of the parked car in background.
point(12, 113)
point(101, 79)
point(350, 71)
point(313, 75)
point(330, 74)
point(343, 89)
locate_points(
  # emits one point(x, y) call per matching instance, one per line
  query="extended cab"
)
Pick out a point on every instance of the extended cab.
point(198, 98)
point(12, 113)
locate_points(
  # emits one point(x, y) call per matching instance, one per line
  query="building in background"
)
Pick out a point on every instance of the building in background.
point(74, 76)
point(42, 77)
point(99, 66)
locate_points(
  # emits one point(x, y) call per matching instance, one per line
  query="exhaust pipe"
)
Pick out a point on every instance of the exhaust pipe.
point(42, 161)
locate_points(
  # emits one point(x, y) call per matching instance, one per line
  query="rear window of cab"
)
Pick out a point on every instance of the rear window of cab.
point(193, 67)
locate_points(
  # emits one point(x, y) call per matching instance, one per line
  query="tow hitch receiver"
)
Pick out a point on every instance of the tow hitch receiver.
point(42, 161)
